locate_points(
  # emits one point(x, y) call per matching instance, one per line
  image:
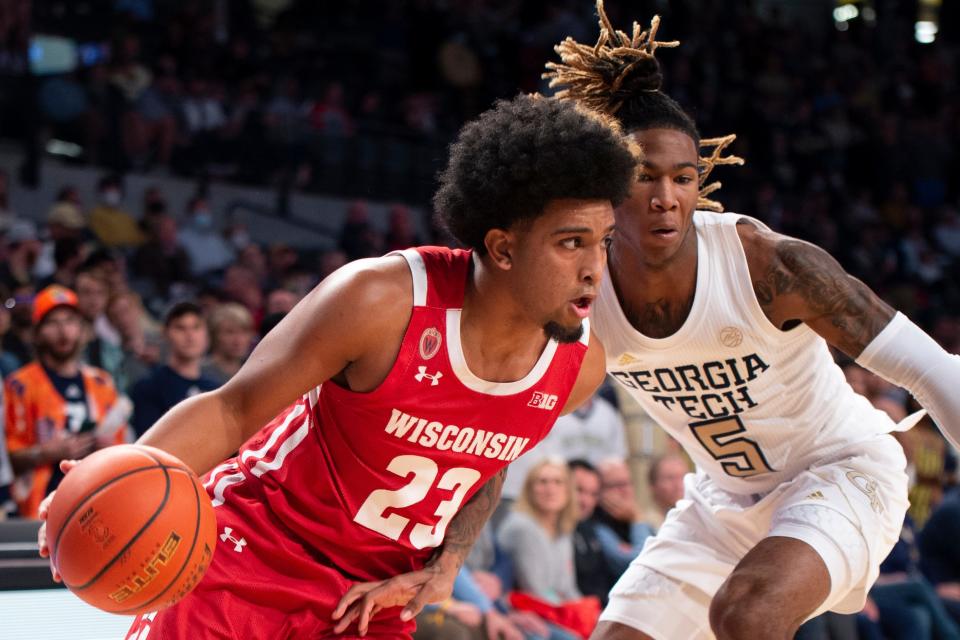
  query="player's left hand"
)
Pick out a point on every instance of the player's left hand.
point(413, 591)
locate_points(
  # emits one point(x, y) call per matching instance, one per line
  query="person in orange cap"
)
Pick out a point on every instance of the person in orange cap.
point(54, 404)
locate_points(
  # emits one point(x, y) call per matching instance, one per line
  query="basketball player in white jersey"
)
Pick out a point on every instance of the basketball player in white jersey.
point(720, 328)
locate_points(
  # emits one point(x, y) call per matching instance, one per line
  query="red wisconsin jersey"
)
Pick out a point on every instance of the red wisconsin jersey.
point(370, 481)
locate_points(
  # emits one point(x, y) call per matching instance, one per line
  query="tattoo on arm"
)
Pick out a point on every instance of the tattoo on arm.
point(469, 521)
point(854, 315)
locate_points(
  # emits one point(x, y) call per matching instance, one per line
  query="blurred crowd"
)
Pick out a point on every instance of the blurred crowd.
point(111, 312)
point(850, 130)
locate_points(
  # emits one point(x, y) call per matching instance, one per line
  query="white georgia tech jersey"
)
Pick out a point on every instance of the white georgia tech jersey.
point(751, 404)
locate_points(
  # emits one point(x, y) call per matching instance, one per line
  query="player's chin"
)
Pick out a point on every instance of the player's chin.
point(564, 332)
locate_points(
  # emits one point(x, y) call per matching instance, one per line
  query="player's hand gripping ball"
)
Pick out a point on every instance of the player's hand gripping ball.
point(131, 529)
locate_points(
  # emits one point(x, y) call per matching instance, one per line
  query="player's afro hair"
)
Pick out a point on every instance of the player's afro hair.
point(506, 166)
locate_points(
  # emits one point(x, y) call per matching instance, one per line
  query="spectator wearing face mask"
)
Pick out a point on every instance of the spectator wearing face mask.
point(113, 226)
point(209, 251)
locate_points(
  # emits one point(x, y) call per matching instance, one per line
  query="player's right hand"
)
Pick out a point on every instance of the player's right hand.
point(413, 591)
point(65, 467)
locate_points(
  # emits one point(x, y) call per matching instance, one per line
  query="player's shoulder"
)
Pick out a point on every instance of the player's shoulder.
point(364, 299)
point(387, 269)
point(761, 245)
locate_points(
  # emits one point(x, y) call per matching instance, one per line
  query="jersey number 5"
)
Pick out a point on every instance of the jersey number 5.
point(740, 457)
point(425, 471)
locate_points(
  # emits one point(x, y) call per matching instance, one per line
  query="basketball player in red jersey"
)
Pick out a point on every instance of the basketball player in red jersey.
point(410, 382)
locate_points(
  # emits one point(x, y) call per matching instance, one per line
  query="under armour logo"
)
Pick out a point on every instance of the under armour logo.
point(433, 378)
point(239, 544)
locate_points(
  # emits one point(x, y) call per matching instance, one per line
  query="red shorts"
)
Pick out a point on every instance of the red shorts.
point(262, 585)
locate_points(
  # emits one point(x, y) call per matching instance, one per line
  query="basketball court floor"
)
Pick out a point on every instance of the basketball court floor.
point(55, 614)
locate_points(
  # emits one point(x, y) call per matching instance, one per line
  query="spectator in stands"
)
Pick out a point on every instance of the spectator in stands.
point(8, 507)
point(23, 249)
point(8, 361)
point(204, 117)
point(185, 333)
point(69, 194)
point(618, 510)
point(113, 266)
point(665, 478)
point(231, 338)
point(909, 607)
point(538, 534)
point(53, 404)
point(253, 258)
point(286, 113)
point(282, 260)
point(150, 127)
point(209, 251)
point(280, 301)
point(68, 255)
point(65, 225)
point(18, 340)
point(6, 214)
point(470, 613)
point(113, 226)
point(596, 574)
point(141, 337)
point(947, 231)
point(401, 234)
point(154, 206)
point(593, 432)
point(357, 238)
point(330, 261)
point(160, 263)
point(93, 293)
point(939, 552)
point(329, 116)
point(240, 285)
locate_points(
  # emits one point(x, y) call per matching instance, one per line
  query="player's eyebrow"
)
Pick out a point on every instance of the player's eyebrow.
point(679, 165)
point(566, 230)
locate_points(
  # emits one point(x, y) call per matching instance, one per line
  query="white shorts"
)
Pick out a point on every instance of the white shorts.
point(850, 509)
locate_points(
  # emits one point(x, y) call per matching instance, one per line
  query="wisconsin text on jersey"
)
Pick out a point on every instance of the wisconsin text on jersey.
point(436, 435)
point(716, 375)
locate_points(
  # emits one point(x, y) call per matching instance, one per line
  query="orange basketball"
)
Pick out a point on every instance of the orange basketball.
point(131, 529)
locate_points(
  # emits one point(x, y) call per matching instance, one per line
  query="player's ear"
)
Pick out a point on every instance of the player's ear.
point(499, 244)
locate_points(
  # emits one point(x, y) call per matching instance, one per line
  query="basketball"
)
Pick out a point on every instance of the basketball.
point(131, 529)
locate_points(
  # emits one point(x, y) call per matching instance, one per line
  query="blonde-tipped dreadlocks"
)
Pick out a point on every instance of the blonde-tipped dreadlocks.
point(620, 76)
point(595, 76)
point(707, 163)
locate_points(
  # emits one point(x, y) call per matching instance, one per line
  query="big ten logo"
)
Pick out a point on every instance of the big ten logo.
point(151, 569)
point(542, 400)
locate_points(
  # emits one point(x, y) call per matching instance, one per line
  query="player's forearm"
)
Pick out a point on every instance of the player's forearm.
point(466, 526)
point(907, 357)
point(202, 431)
